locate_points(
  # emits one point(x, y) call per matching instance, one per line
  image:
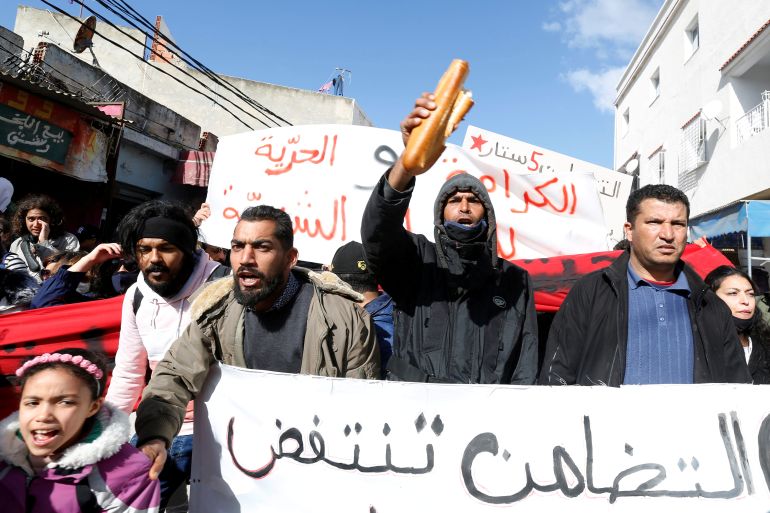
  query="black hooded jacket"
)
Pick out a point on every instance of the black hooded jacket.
point(462, 314)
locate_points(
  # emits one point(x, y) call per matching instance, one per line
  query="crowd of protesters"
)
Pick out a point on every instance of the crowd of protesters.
point(396, 306)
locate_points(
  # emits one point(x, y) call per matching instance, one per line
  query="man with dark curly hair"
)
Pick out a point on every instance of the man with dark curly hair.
point(161, 237)
point(38, 221)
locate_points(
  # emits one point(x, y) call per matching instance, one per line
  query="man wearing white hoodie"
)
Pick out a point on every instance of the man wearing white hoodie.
point(162, 237)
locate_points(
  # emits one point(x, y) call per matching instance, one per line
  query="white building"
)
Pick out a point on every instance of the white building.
point(693, 106)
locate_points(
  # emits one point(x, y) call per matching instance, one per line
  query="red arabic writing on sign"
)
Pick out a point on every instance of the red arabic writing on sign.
point(283, 158)
point(331, 227)
point(568, 198)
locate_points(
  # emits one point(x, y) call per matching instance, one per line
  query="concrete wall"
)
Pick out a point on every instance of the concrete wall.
point(687, 84)
point(146, 169)
point(297, 106)
point(147, 116)
point(151, 79)
point(10, 45)
point(62, 30)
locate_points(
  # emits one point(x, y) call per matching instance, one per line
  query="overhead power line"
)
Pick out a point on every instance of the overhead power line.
point(98, 96)
point(125, 8)
point(62, 11)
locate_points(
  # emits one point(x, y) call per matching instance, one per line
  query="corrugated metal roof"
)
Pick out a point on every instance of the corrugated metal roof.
point(49, 90)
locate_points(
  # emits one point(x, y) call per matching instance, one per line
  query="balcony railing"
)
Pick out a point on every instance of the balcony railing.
point(754, 121)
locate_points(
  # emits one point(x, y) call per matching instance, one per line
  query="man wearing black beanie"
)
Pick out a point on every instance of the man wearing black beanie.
point(162, 238)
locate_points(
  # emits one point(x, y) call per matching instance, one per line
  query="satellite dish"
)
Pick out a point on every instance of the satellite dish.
point(712, 109)
point(631, 166)
point(84, 37)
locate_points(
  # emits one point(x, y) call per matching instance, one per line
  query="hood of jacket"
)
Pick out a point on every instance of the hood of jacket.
point(110, 431)
point(200, 273)
point(464, 182)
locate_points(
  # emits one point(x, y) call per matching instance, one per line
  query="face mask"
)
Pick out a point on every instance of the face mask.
point(744, 325)
point(466, 233)
point(122, 280)
point(83, 288)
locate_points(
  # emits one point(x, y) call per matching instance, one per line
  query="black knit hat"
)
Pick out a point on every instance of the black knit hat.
point(349, 259)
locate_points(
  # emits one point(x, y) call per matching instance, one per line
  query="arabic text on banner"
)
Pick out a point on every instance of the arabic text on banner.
point(524, 158)
point(323, 175)
point(282, 442)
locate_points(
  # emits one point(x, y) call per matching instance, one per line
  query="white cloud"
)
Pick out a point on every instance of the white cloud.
point(552, 26)
point(610, 26)
point(611, 30)
point(601, 85)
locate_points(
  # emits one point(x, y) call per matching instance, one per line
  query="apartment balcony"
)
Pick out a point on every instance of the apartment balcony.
point(755, 121)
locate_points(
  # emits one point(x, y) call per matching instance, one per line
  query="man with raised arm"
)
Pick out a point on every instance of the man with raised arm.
point(462, 314)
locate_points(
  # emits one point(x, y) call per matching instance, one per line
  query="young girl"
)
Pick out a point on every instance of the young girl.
point(66, 450)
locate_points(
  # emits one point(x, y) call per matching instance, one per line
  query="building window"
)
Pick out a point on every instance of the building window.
point(658, 165)
point(691, 38)
point(692, 151)
point(655, 85)
point(625, 123)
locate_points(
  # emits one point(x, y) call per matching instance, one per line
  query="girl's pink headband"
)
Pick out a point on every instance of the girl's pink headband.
point(78, 361)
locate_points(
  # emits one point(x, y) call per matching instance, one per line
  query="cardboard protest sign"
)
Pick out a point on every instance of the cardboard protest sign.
point(520, 157)
point(279, 442)
point(323, 175)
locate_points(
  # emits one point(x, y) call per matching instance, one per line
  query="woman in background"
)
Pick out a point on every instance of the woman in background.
point(738, 290)
point(38, 221)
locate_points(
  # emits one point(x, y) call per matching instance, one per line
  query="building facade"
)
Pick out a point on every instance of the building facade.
point(692, 107)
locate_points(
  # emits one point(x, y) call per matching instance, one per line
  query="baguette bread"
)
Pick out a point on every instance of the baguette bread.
point(426, 142)
point(461, 107)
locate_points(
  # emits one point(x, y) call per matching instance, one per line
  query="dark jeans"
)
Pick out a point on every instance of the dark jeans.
point(175, 474)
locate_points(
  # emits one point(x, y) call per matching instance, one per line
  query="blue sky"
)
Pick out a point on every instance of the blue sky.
point(541, 71)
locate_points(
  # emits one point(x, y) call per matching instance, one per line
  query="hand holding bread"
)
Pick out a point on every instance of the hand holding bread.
point(434, 118)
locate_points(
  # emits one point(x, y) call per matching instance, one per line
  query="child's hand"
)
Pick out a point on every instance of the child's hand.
point(155, 449)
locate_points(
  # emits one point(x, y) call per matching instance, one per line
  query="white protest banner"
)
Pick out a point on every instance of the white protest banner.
point(288, 443)
point(323, 175)
point(521, 157)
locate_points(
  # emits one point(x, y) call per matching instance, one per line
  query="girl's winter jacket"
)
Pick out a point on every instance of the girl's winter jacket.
point(101, 473)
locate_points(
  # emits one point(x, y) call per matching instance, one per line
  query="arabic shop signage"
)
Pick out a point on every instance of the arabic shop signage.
point(29, 134)
point(50, 135)
point(323, 175)
point(333, 445)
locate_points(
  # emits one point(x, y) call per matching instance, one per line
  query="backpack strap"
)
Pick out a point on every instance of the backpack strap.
point(138, 296)
point(86, 498)
point(220, 272)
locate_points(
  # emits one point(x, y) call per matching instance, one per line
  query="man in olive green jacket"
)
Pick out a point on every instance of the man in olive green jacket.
point(269, 315)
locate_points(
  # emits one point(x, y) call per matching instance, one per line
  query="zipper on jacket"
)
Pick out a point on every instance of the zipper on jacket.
point(620, 336)
point(29, 499)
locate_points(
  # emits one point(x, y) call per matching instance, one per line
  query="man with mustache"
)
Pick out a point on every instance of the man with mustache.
point(270, 316)
point(162, 238)
point(648, 318)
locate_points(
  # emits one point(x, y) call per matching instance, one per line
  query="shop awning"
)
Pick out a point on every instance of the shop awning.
point(743, 216)
point(194, 168)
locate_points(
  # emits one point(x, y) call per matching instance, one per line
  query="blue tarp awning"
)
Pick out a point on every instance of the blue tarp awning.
point(745, 216)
